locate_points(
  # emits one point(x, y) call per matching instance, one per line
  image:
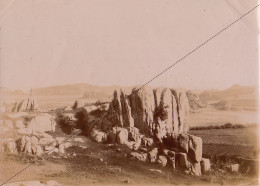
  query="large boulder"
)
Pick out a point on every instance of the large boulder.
point(205, 165)
point(147, 142)
point(41, 123)
point(162, 160)
point(139, 156)
point(152, 155)
point(133, 134)
point(143, 105)
point(8, 145)
point(195, 148)
point(98, 136)
point(78, 104)
point(122, 136)
point(120, 110)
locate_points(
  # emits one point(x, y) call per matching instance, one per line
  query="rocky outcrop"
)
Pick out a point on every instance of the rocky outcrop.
point(28, 104)
point(153, 124)
point(154, 112)
point(41, 123)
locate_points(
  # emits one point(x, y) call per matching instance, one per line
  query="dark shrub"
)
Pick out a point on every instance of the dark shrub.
point(160, 112)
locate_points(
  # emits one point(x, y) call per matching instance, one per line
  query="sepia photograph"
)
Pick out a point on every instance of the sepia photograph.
point(129, 92)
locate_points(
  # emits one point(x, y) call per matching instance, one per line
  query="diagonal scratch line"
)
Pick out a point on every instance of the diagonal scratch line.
point(178, 61)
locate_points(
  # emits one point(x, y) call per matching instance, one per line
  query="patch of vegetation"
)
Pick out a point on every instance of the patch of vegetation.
point(160, 112)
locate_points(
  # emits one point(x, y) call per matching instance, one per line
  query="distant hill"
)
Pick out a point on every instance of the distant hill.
point(234, 92)
point(234, 98)
point(78, 90)
point(6, 91)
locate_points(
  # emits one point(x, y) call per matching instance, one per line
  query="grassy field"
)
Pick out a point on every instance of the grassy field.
point(215, 117)
point(242, 142)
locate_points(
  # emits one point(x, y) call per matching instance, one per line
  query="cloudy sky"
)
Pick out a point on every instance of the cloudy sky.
point(128, 42)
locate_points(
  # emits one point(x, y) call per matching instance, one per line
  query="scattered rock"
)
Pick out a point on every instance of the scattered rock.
point(157, 170)
point(60, 140)
point(98, 136)
point(130, 144)
point(233, 167)
point(78, 104)
point(139, 156)
point(38, 150)
point(81, 140)
point(128, 181)
point(46, 141)
point(205, 165)
point(137, 144)
point(153, 155)
point(184, 143)
point(147, 142)
point(162, 161)
point(122, 136)
point(143, 149)
point(133, 134)
point(182, 161)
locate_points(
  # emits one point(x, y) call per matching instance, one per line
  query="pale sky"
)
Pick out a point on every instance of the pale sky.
point(127, 42)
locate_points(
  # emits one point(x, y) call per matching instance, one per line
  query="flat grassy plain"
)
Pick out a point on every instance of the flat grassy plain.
point(241, 142)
